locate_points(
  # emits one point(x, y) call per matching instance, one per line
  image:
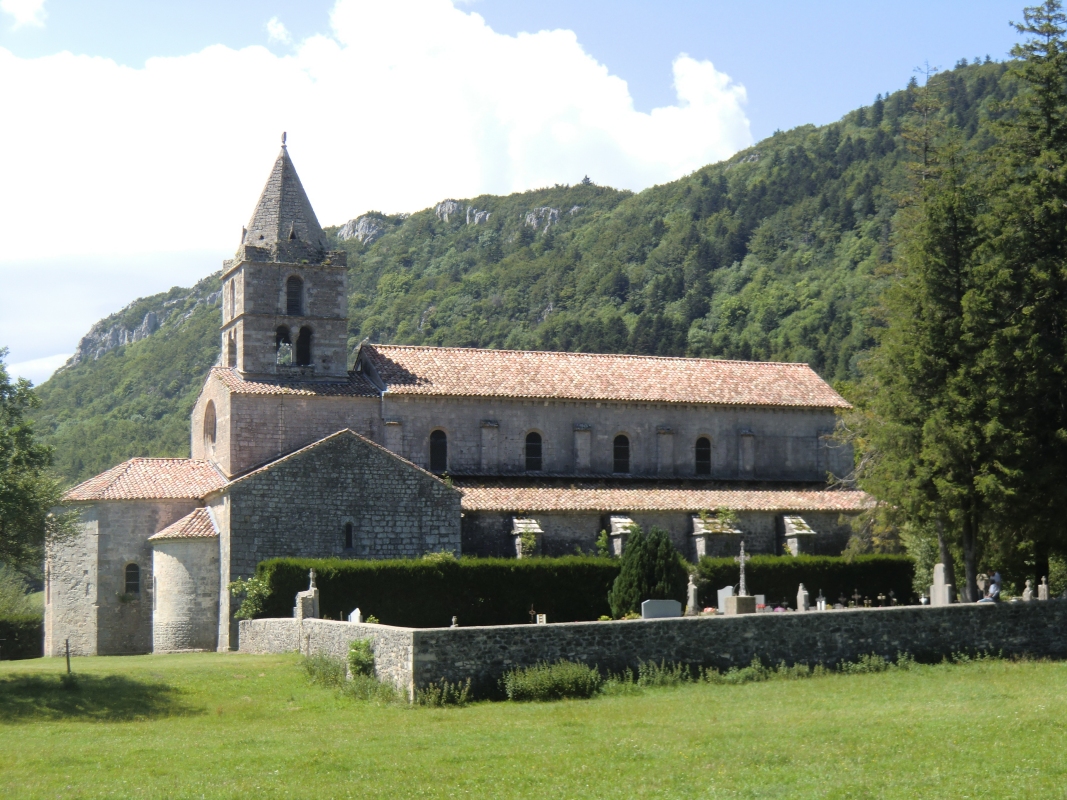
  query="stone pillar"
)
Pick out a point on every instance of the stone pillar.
point(940, 592)
point(394, 437)
point(490, 447)
point(620, 531)
point(664, 452)
point(583, 447)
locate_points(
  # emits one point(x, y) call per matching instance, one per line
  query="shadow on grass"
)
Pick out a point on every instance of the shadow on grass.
point(97, 698)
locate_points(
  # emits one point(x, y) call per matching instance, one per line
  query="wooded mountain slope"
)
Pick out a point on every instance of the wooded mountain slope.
point(771, 255)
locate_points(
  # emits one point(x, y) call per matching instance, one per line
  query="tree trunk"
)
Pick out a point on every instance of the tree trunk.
point(970, 558)
point(1041, 555)
point(946, 558)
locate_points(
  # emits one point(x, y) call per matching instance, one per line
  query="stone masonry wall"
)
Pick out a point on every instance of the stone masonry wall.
point(299, 507)
point(185, 613)
point(484, 654)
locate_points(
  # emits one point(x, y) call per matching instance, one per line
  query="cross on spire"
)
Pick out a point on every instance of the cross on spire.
point(742, 590)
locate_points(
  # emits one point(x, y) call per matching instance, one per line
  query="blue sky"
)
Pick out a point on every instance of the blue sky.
point(167, 115)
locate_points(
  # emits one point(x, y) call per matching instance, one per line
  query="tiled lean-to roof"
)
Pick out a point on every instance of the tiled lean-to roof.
point(197, 525)
point(470, 372)
point(150, 479)
point(355, 385)
point(592, 497)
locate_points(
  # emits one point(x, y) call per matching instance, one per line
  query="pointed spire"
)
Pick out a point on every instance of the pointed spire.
point(284, 221)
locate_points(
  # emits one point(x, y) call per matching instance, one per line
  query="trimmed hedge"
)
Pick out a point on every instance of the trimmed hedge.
point(779, 577)
point(499, 591)
point(23, 637)
point(427, 593)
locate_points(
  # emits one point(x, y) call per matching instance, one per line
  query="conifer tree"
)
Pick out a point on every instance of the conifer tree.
point(651, 569)
point(1025, 298)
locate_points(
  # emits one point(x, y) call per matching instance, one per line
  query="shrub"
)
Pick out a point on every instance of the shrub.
point(778, 577)
point(16, 601)
point(425, 593)
point(256, 590)
point(361, 658)
point(444, 693)
point(321, 670)
point(23, 637)
point(546, 681)
point(650, 569)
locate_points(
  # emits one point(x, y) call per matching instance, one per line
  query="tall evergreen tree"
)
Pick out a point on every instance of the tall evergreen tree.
point(919, 420)
point(1025, 300)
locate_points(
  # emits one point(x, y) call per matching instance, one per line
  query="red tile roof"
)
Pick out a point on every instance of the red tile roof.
point(197, 525)
point(588, 376)
point(529, 499)
point(355, 385)
point(150, 479)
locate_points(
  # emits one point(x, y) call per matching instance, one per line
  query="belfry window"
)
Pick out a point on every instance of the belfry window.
point(438, 451)
point(294, 297)
point(303, 347)
point(283, 345)
point(533, 452)
point(133, 579)
point(703, 456)
point(621, 455)
point(348, 536)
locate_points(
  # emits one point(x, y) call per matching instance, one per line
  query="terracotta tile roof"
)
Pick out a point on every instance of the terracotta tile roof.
point(589, 376)
point(197, 525)
point(354, 386)
point(585, 497)
point(150, 479)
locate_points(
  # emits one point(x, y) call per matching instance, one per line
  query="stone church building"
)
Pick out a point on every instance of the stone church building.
point(425, 449)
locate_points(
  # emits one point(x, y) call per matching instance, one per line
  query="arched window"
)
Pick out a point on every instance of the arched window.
point(438, 451)
point(210, 426)
point(533, 452)
point(133, 579)
point(621, 461)
point(703, 456)
point(348, 536)
point(303, 347)
point(283, 345)
point(294, 297)
point(233, 298)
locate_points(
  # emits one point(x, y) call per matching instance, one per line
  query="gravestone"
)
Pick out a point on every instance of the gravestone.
point(1042, 590)
point(356, 616)
point(542, 619)
point(1028, 593)
point(940, 592)
point(724, 593)
point(659, 609)
point(692, 607)
point(820, 602)
point(761, 600)
point(802, 598)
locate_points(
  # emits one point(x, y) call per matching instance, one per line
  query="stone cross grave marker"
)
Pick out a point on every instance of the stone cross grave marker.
point(1028, 592)
point(692, 607)
point(1042, 590)
point(742, 590)
point(802, 599)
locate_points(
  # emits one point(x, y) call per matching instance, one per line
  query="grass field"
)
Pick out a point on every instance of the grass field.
point(250, 726)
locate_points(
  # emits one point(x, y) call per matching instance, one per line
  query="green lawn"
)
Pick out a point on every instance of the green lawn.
point(250, 726)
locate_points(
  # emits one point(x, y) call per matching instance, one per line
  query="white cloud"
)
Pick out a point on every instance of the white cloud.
point(277, 32)
point(39, 369)
point(25, 12)
point(404, 104)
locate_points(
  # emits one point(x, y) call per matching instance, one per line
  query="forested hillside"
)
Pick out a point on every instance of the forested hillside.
point(773, 254)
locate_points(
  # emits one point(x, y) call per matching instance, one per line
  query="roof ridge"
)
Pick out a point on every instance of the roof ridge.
point(592, 355)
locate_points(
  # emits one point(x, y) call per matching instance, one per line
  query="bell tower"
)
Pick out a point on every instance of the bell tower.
point(284, 297)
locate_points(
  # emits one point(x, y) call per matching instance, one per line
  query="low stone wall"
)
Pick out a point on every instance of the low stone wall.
point(413, 658)
point(392, 646)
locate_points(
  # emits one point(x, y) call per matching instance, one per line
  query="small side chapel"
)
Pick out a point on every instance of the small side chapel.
point(296, 453)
